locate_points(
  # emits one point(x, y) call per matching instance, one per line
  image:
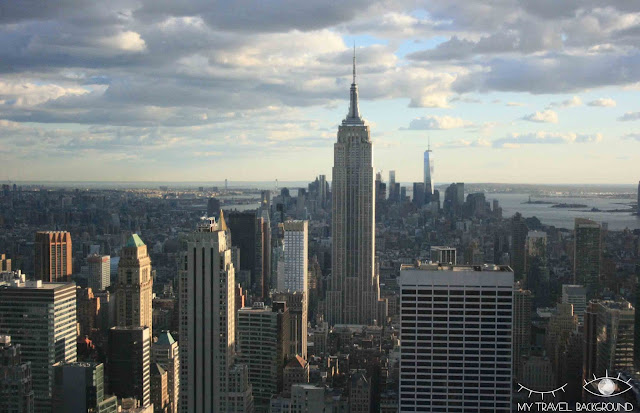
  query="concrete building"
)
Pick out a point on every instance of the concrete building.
point(537, 373)
point(455, 338)
point(263, 342)
point(296, 234)
point(359, 393)
point(79, 388)
point(522, 305)
point(53, 257)
point(577, 296)
point(165, 352)
point(16, 383)
point(428, 173)
point(41, 317)
point(609, 338)
point(296, 371)
point(5, 263)
point(129, 363)
point(298, 320)
point(519, 232)
point(134, 293)
point(587, 255)
point(248, 234)
point(99, 272)
point(207, 322)
point(159, 389)
point(562, 323)
point(443, 255)
point(354, 286)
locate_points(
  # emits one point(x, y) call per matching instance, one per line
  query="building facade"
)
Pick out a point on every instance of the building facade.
point(263, 342)
point(41, 317)
point(456, 338)
point(134, 293)
point(129, 363)
point(354, 286)
point(207, 321)
point(587, 255)
point(99, 272)
point(79, 388)
point(53, 257)
point(166, 353)
point(16, 383)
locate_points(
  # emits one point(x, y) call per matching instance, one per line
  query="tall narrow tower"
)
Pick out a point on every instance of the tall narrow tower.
point(428, 173)
point(354, 290)
point(135, 283)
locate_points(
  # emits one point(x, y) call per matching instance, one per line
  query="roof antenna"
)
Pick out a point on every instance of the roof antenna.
point(354, 61)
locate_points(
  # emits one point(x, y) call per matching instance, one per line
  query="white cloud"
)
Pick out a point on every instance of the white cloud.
point(438, 122)
point(514, 140)
point(569, 103)
point(546, 116)
point(603, 102)
point(128, 41)
point(629, 116)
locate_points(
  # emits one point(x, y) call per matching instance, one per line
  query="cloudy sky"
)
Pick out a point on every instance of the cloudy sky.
point(536, 91)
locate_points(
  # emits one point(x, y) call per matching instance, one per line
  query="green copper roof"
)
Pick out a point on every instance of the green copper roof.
point(134, 241)
point(165, 339)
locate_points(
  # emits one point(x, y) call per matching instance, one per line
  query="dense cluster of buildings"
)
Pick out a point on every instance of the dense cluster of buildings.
point(359, 296)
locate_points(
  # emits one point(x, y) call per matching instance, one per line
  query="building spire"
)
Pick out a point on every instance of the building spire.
point(354, 63)
point(354, 112)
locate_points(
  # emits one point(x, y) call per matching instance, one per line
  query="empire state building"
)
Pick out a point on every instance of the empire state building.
point(354, 294)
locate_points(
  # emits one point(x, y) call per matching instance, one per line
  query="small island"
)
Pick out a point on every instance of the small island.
point(569, 206)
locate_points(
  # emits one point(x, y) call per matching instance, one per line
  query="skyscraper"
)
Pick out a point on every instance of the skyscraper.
point(41, 317)
point(207, 321)
point(587, 254)
point(456, 349)
point(135, 283)
point(16, 383)
point(393, 196)
point(576, 295)
point(638, 209)
point(129, 363)
point(80, 387)
point(263, 342)
point(522, 305)
point(608, 335)
point(99, 272)
point(5, 263)
point(296, 236)
point(298, 316)
point(165, 352)
point(519, 231)
point(53, 258)
point(354, 286)
point(428, 173)
point(247, 233)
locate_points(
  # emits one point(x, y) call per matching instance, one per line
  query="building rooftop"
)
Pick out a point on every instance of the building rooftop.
point(165, 339)
point(134, 241)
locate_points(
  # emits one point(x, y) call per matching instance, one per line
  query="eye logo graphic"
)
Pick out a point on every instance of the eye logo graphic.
point(541, 393)
point(606, 386)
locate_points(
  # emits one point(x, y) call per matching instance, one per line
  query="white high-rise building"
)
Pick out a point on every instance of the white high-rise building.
point(576, 295)
point(296, 235)
point(207, 320)
point(41, 317)
point(354, 290)
point(428, 172)
point(456, 338)
point(99, 271)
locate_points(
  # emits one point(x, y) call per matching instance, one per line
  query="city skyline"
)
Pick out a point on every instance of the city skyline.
point(158, 92)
